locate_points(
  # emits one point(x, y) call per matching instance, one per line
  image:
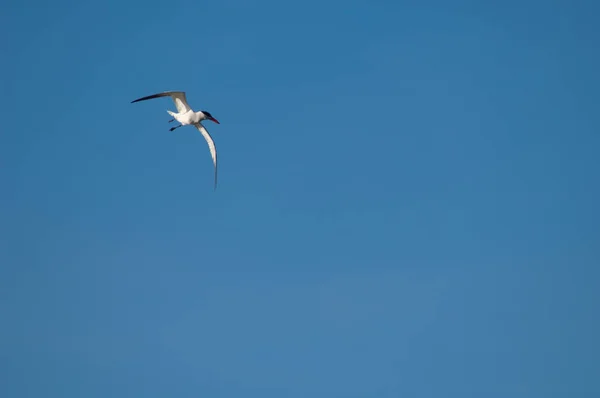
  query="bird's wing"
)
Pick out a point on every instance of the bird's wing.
point(211, 146)
point(178, 98)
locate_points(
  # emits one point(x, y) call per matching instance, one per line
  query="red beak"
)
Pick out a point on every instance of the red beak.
point(214, 120)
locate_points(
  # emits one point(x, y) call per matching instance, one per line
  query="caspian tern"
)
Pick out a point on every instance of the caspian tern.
point(186, 116)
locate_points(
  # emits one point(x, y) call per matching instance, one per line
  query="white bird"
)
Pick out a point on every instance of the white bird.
point(186, 116)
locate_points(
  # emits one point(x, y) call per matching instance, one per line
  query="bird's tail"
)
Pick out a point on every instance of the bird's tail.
point(171, 113)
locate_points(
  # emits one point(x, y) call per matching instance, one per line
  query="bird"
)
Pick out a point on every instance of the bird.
point(186, 116)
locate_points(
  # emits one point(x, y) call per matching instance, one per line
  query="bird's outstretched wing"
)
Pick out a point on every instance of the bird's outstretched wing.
point(211, 146)
point(178, 98)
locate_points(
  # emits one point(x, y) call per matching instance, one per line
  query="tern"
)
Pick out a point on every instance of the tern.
point(186, 116)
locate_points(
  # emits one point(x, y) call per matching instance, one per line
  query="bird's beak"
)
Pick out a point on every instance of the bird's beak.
point(214, 120)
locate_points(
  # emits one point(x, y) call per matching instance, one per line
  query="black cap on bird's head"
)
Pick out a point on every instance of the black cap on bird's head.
point(210, 117)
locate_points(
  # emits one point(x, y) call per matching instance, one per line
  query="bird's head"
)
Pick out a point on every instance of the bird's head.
point(210, 117)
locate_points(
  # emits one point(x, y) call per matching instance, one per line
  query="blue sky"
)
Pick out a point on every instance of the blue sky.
point(407, 202)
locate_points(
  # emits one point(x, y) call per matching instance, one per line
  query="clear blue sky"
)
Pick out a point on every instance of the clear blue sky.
point(407, 203)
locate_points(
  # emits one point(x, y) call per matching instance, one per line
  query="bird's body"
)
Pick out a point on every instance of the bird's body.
point(186, 117)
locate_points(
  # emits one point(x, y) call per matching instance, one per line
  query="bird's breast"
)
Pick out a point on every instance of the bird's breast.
point(188, 118)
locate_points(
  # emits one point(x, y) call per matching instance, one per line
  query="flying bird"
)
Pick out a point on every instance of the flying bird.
point(186, 116)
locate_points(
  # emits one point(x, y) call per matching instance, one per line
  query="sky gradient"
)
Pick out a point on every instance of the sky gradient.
point(407, 202)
